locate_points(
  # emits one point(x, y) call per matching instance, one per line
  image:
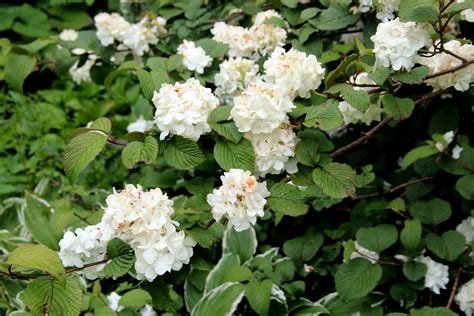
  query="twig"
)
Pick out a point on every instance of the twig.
point(404, 185)
point(454, 288)
point(112, 140)
point(82, 218)
point(88, 265)
point(450, 70)
point(209, 224)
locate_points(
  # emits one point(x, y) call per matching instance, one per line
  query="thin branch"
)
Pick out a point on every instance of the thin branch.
point(82, 218)
point(404, 185)
point(88, 265)
point(112, 140)
point(209, 224)
point(450, 70)
point(454, 288)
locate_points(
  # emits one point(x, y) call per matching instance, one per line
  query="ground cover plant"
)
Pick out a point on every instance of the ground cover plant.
point(236, 157)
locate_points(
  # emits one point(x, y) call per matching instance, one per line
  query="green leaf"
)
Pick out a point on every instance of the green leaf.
point(414, 271)
point(357, 278)
point(276, 21)
point(219, 122)
point(465, 186)
point(37, 257)
point(137, 151)
point(377, 238)
point(432, 311)
point(17, 68)
point(183, 154)
point(418, 11)
point(238, 156)
point(228, 269)
point(135, 298)
point(286, 199)
point(53, 297)
point(122, 258)
point(325, 116)
point(203, 237)
point(31, 22)
point(458, 7)
point(379, 75)
point(336, 17)
point(81, 151)
point(432, 212)
point(149, 83)
point(123, 69)
point(258, 295)
point(306, 152)
point(358, 99)
point(336, 180)
point(103, 124)
point(304, 248)
point(213, 48)
point(448, 246)
point(222, 300)
point(414, 76)
point(418, 153)
point(411, 233)
point(399, 108)
point(243, 244)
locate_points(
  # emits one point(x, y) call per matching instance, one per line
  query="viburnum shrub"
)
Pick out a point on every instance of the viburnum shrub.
point(237, 158)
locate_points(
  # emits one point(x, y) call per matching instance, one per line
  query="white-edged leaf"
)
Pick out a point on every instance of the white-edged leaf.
point(221, 301)
point(243, 244)
point(258, 295)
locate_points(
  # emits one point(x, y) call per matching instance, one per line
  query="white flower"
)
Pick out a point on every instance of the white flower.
point(457, 150)
point(234, 75)
point(267, 36)
point(240, 199)
point(365, 5)
point(160, 24)
point(386, 8)
point(83, 73)
point(293, 72)
point(68, 35)
point(437, 275)
point(468, 14)
point(85, 245)
point(352, 115)
point(465, 298)
point(466, 227)
point(396, 43)
point(274, 150)
point(113, 299)
point(460, 79)
point(138, 38)
point(365, 253)
point(140, 125)
point(448, 137)
point(194, 58)
point(183, 109)
point(147, 310)
point(240, 40)
point(260, 108)
point(110, 27)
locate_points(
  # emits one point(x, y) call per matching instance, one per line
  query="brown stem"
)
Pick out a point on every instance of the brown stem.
point(450, 70)
point(454, 288)
point(82, 218)
point(404, 185)
point(209, 224)
point(87, 265)
point(112, 140)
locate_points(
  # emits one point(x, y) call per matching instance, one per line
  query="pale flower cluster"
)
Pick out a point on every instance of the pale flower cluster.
point(396, 43)
point(240, 199)
point(183, 109)
point(234, 75)
point(456, 153)
point(194, 57)
point(465, 298)
point(385, 8)
point(468, 14)
point(114, 304)
point(466, 227)
point(460, 79)
point(140, 125)
point(294, 73)
point(437, 275)
point(82, 73)
point(273, 151)
point(253, 42)
point(365, 253)
point(68, 35)
point(141, 219)
point(448, 137)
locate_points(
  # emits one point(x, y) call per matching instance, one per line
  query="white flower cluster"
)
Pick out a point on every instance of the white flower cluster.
point(140, 125)
point(294, 73)
point(114, 298)
point(351, 114)
point(465, 298)
point(82, 73)
point(183, 109)
point(234, 75)
point(460, 79)
point(448, 138)
point(468, 14)
point(68, 35)
point(385, 8)
point(258, 40)
point(194, 58)
point(274, 150)
point(136, 37)
point(141, 219)
point(365, 253)
point(396, 43)
point(437, 275)
point(466, 227)
point(240, 199)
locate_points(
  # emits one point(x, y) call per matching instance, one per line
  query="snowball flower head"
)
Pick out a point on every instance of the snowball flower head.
point(110, 27)
point(465, 298)
point(241, 41)
point(396, 43)
point(83, 73)
point(260, 108)
point(240, 199)
point(467, 229)
point(234, 75)
point(385, 8)
point(267, 36)
point(365, 253)
point(194, 58)
point(68, 35)
point(460, 79)
point(113, 299)
point(457, 150)
point(138, 38)
point(274, 150)
point(147, 310)
point(437, 275)
point(183, 109)
point(293, 72)
point(140, 125)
